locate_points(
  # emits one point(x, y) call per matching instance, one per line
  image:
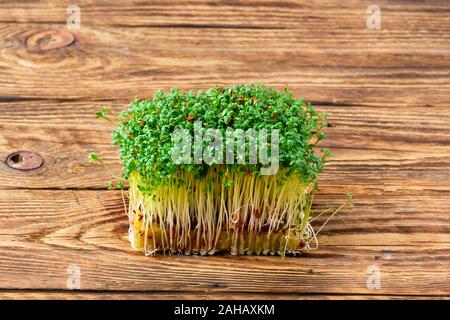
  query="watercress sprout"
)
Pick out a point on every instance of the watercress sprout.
point(204, 207)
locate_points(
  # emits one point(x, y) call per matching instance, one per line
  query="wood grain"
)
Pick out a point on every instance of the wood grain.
point(387, 93)
point(264, 14)
point(111, 295)
point(381, 147)
point(338, 67)
point(45, 232)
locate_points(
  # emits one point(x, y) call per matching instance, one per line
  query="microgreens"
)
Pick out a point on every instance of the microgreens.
point(144, 134)
point(117, 185)
point(93, 157)
point(103, 113)
point(196, 207)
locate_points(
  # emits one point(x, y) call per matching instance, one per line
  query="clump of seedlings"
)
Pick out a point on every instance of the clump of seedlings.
point(222, 170)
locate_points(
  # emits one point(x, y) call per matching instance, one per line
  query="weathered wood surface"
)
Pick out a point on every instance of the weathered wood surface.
point(386, 92)
point(84, 295)
point(379, 147)
point(325, 54)
point(45, 231)
point(315, 15)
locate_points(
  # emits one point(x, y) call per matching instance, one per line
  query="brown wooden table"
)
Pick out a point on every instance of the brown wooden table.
point(387, 93)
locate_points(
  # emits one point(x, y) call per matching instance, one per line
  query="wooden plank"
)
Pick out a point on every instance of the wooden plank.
point(337, 66)
point(386, 91)
point(111, 295)
point(381, 149)
point(43, 232)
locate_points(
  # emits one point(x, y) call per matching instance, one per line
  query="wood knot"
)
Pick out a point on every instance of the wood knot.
point(49, 40)
point(24, 160)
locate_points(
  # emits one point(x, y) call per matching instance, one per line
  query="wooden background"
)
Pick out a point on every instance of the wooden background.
point(387, 93)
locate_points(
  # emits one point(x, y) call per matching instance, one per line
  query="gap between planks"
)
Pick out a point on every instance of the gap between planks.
point(187, 295)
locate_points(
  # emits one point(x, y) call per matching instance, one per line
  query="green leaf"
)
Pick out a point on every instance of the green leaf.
point(93, 157)
point(103, 113)
point(144, 134)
